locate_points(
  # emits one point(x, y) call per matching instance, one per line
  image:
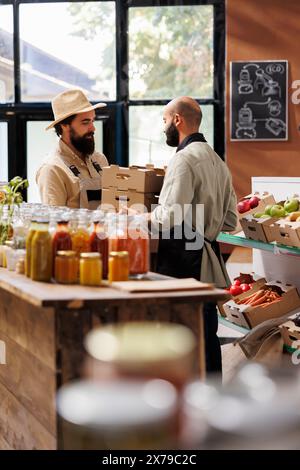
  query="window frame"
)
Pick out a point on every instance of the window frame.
point(116, 115)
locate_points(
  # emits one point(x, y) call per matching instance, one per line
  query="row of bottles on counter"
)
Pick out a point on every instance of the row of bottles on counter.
point(80, 245)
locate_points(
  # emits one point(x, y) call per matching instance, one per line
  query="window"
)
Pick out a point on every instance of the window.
point(71, 44)
point(171, 54)
point(147, 142)
point(6, 54)
point(134, 55)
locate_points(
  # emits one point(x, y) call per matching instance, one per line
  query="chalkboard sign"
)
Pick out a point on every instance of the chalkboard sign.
point(258, 101)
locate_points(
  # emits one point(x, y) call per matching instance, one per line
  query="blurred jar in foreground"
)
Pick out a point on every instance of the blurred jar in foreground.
point(258, 410)
point(119, 415)
point(90, 269)
point(118, 266)
point(141, 349)
point(66, 267)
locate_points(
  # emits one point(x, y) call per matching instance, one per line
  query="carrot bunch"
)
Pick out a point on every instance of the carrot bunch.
point(262, 298)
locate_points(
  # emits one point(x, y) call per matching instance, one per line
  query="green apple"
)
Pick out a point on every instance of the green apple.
point(291, 205)
point(268, 209)
point(258, 215)
point(277, 211)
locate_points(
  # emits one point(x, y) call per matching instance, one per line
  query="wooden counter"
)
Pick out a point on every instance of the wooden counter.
point(42, 327)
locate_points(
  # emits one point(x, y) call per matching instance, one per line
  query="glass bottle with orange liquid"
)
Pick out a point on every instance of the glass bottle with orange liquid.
point(138, 245)
point(80, 234)
point(61, 240)
point(99, 240)
point(130, 233)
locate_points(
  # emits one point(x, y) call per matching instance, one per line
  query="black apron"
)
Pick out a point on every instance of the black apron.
point(173, 259)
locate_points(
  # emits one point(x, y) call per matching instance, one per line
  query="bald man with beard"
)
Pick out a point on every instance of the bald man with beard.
point(196, 178)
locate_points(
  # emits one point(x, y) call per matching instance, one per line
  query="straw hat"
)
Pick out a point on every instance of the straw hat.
point(71, 102)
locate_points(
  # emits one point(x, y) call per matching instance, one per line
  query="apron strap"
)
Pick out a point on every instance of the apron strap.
point(74, 170)
point(215, 247)
point(97, 167)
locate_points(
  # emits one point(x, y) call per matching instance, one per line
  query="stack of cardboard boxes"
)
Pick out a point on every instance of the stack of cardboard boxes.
point(131, 186)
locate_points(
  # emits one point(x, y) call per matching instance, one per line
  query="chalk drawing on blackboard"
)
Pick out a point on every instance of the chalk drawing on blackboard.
point(259, 100)
point(275, 108)
point(245, 83)
point(247, 123)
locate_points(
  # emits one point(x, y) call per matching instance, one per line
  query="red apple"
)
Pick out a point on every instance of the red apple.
point(243, 206)
point(245, 287)
point(235, 290)
point(236, 283)
point(254, 201)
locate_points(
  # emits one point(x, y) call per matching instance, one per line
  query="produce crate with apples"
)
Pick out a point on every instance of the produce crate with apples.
point(272, 300)
point(241, 286)
point(286, 231)
point(255, 202)
point(260, 225)
point(290, 332)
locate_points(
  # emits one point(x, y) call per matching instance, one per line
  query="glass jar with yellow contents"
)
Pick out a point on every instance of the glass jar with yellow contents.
point(118, 266)
point(41, 252)
point(90, 269)
point(66, 267)
point(30, 235)
point(80, 235)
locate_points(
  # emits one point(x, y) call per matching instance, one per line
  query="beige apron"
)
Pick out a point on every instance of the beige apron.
point(90, 192)
point(90, 188)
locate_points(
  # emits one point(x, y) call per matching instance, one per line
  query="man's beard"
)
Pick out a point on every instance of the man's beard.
point(172, 135)
point(84, 144)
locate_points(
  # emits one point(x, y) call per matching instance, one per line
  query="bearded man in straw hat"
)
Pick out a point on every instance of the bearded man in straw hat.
point(71, 175)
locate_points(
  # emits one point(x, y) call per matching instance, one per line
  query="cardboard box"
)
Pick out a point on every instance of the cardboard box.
point(249, 317)
point(115, 198)
point(259, 282)
point(143, 180)
point(258, 229)
point(265, 200)
point(290, 334)
point(286, 233)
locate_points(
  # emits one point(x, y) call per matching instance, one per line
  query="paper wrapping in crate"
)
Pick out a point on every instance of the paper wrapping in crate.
point(248, 316)
point(143, 180)
point(265, 200)
point(290, 334)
